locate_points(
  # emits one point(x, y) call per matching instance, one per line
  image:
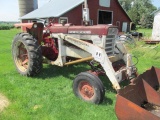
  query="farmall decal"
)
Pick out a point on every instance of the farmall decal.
point(79, 32)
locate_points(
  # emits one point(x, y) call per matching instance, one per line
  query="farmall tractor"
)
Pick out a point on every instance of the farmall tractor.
point(66, 44)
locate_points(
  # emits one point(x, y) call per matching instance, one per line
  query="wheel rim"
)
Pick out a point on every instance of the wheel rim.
point(21, 56)
point(86, 90)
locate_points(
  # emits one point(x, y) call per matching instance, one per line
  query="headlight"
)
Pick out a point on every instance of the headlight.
point(112, 31)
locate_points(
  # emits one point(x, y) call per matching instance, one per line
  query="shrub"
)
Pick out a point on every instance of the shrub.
point(6, 27)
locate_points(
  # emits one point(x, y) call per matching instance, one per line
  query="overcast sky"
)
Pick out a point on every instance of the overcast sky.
point(9, 10)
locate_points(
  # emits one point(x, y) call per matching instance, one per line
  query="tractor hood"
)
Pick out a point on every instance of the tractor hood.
point(84, 30)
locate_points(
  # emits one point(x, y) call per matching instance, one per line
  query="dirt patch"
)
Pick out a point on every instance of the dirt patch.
point(4, 102)
point(154, 109)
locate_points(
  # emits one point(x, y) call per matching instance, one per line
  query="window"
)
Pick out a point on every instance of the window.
point(104, 3)
point(29, 21)
point(63, 20)
point(105, 17)
point(39, 20)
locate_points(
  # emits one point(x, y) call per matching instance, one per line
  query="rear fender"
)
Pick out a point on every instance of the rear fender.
point(35, 29)
point(24, 26)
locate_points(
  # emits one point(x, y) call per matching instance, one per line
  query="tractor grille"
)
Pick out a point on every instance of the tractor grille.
point(110, 44)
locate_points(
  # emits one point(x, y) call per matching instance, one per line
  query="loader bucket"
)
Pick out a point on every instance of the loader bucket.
point(140, 100)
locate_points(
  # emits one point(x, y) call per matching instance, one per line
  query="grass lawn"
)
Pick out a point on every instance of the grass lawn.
point(49, 96)
point(147, 33)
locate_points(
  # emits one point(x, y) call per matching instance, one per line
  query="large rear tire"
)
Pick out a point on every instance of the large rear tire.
point(88, 87)
point(26, 54)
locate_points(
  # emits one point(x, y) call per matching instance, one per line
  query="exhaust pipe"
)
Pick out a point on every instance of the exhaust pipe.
point(140, 100)
point(86, 18)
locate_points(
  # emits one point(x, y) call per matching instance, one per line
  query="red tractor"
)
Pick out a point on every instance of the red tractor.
point(66, 44)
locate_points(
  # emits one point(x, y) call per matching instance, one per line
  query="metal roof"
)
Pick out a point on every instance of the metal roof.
point(54, 8)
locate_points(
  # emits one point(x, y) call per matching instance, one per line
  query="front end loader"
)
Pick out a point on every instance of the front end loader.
point(140, 100)
point(66, 44)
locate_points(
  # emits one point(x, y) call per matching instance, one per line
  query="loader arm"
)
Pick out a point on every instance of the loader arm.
point(99, 55)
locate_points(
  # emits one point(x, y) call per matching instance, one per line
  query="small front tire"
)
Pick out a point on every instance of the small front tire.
point(88, 87)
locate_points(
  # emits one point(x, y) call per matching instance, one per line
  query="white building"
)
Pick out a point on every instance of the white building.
point(156, 26)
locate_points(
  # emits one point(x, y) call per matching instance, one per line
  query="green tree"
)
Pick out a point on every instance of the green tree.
point(139, 11)
point(126, 4)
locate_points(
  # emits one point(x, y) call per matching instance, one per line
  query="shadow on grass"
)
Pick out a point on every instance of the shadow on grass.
point(107, 101)
point(52, 71)
point(70, 72)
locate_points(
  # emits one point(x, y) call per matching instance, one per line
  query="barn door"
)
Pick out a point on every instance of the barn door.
point(124, 26)
point(105, 17)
